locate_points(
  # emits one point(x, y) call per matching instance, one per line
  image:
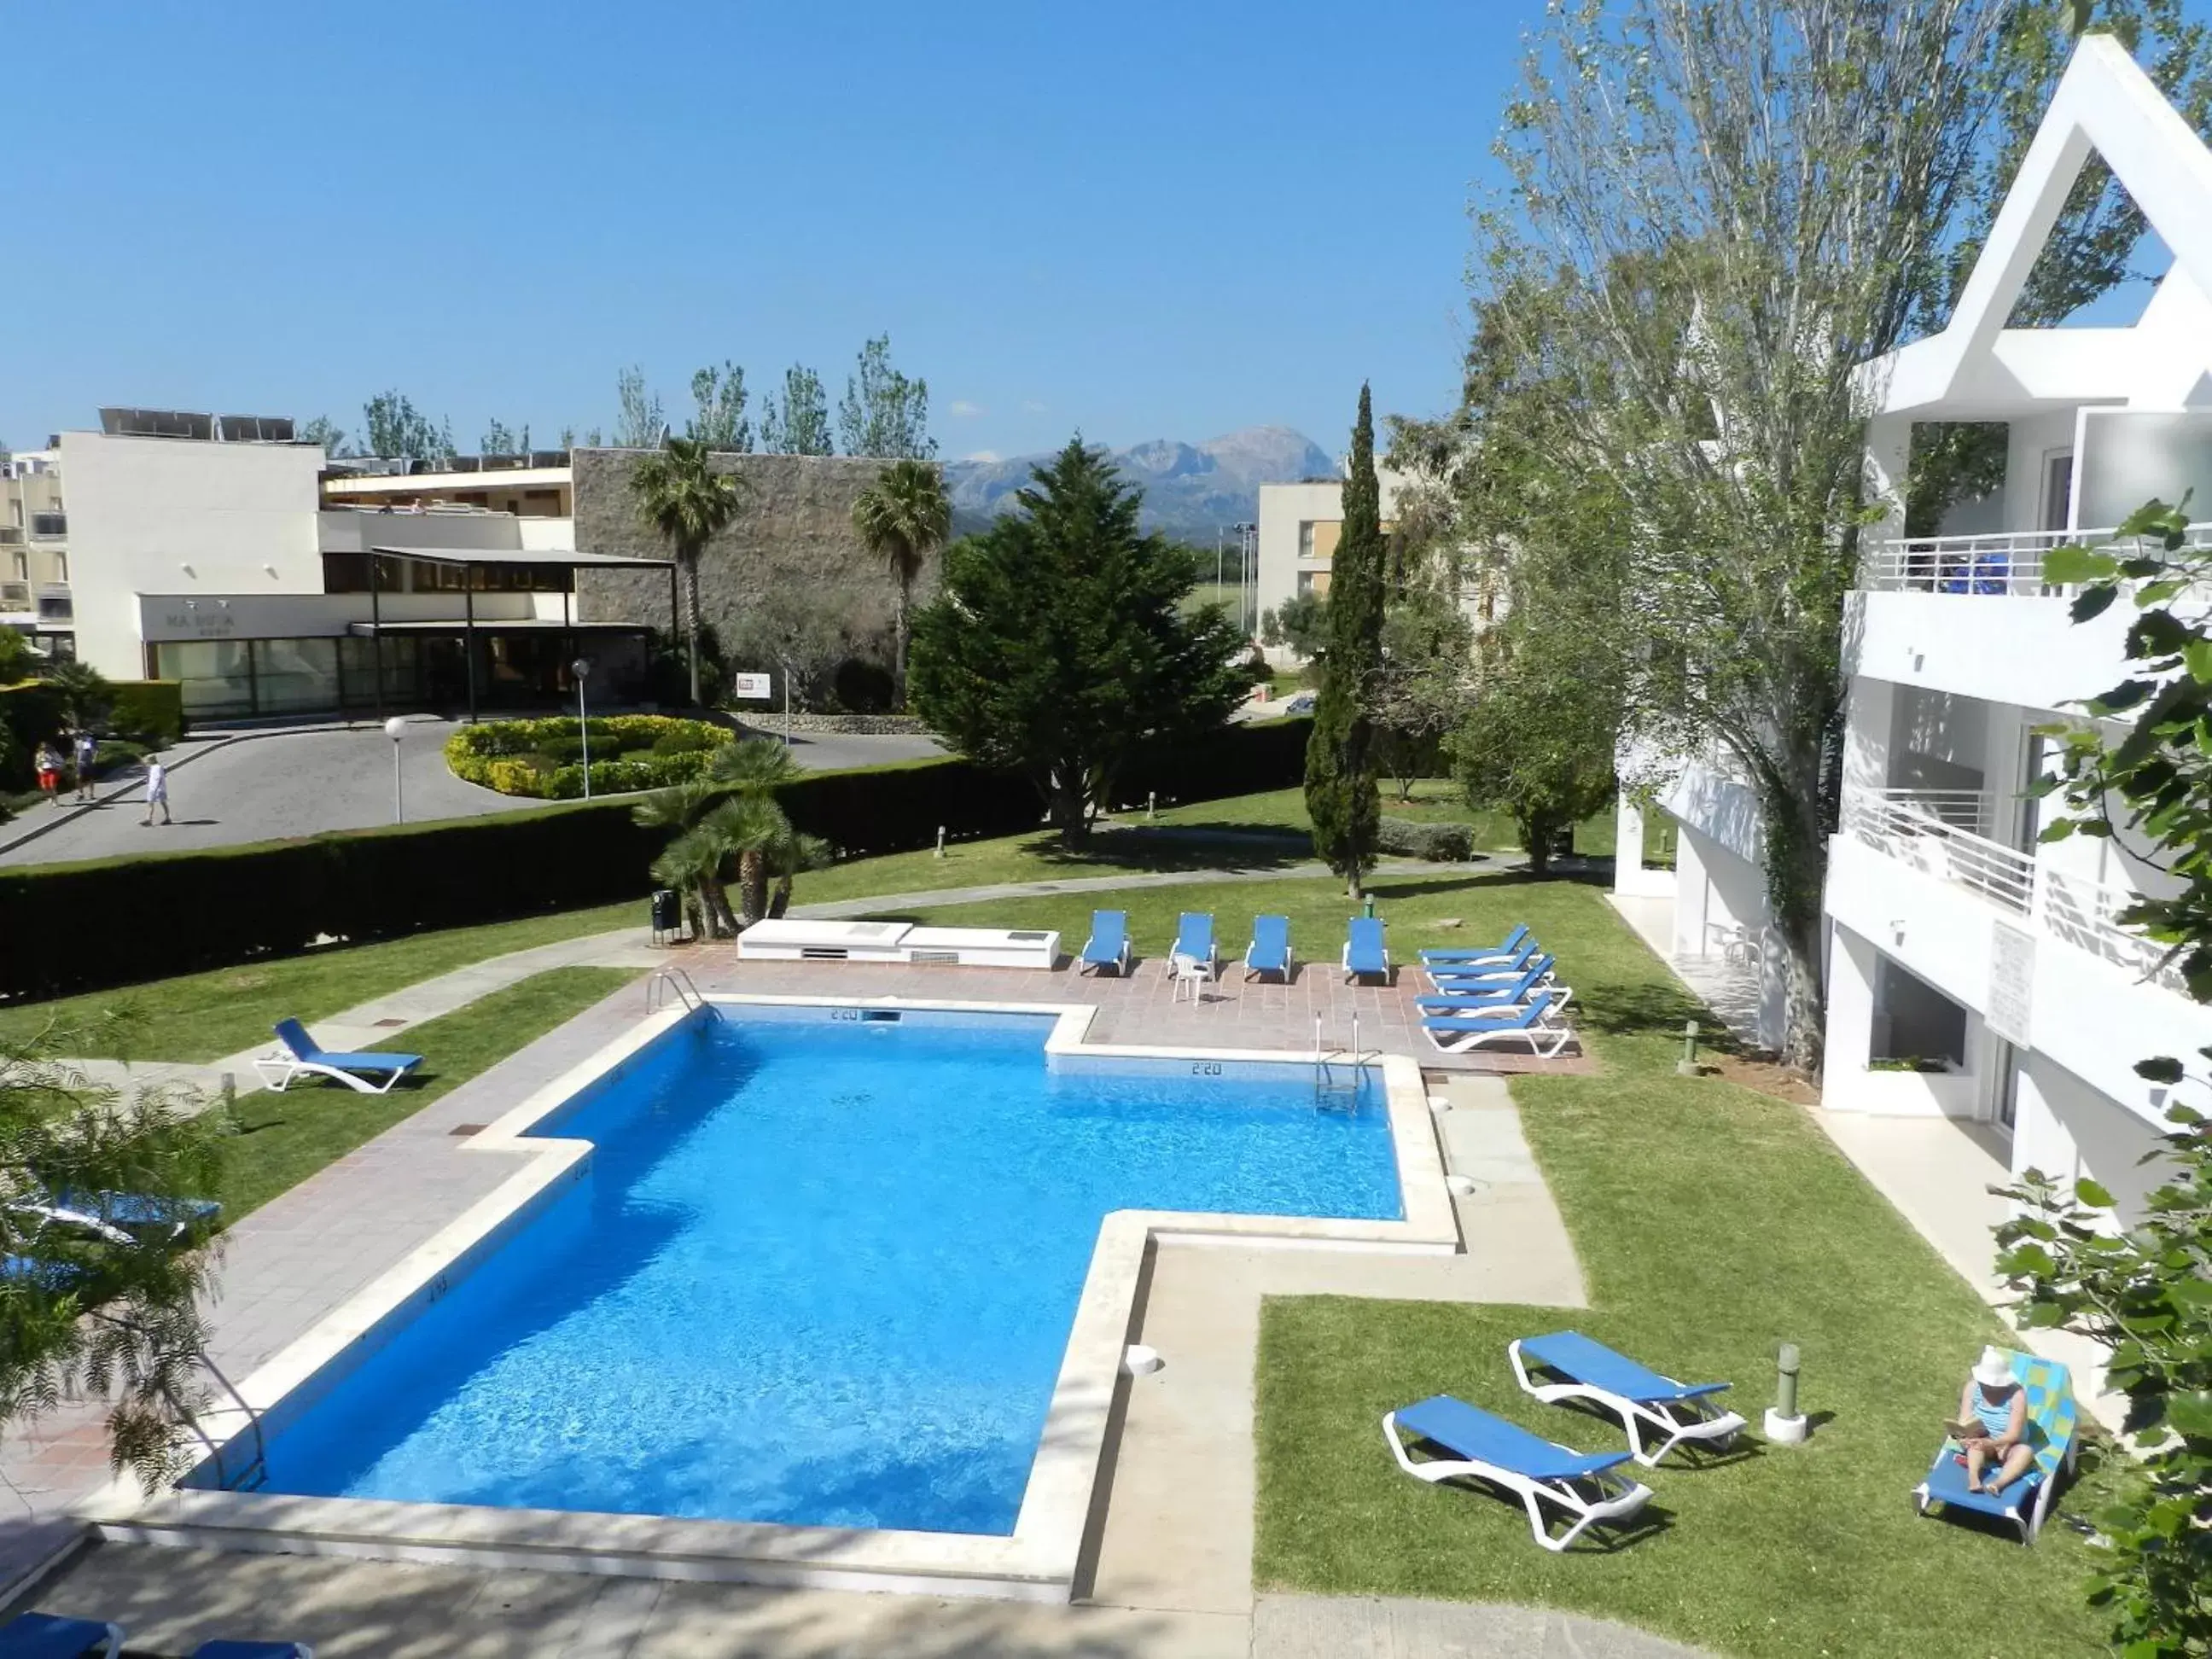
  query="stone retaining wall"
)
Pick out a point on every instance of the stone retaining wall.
point(868, 726)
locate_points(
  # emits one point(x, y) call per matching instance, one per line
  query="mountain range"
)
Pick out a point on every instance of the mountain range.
point(1190, 490)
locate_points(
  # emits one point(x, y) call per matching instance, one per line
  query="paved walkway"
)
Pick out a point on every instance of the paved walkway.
point(229, 788)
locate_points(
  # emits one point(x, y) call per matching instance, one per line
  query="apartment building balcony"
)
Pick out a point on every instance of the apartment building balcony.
point(1917, 874)
point(1972, 616)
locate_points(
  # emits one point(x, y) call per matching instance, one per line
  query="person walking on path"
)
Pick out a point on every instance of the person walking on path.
point(87, 753)
point(157, 788)
point(48, 765)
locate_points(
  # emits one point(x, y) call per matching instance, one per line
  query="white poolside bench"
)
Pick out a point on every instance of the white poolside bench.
point(897, 941)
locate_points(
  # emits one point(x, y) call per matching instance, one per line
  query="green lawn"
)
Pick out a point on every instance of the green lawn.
point(1434, 800)
point(1712, 1223)
point(285, 1138)
point(203, 1016)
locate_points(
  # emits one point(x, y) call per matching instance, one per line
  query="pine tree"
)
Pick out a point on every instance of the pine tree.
point(1341, 756)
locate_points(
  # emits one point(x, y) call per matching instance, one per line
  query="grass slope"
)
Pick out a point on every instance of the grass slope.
point(198, 1017)
point(1712, 1224)
point(285, 1138)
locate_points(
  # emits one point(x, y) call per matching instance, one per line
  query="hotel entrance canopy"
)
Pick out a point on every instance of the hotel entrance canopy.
point(472, 559)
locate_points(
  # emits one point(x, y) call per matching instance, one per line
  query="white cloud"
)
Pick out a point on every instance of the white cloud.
point(961, 406)
point(1031, 406)
point(982, 455)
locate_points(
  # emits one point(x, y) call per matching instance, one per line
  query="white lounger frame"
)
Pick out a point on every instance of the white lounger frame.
point(1640, 1417)
point(280, 1068)
point(1460, 1043)
point(1619, 1496)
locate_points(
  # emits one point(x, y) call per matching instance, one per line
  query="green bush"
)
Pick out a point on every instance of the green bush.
point(544, 758)
point(684, 742)
point(1410, 838)
point(235, 904)
point(147, 711)
point(31, 715)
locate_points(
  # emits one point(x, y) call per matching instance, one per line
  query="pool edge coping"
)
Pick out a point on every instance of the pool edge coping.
point(1039, 1560)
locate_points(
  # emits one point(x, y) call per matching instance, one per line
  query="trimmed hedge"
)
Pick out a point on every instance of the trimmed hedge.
point(1410, 838)
point(544, 758)
point(82, 927)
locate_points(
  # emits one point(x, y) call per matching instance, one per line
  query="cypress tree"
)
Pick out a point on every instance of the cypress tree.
point(1341, 798)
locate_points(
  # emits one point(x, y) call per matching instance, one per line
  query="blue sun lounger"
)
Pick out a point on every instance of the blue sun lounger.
point(1366, 952)
point(1506, 988)
point(1649, 1404)
point(1109, 943)
point(1500, 967)
point(47, 1636)
point(300, 1056)
point(2051, 1419)
point(1505, 1456)
point(1505, 947)
point(1194, 938)
point(1531, 1022)
point(1269, 952)
point(222, 1649)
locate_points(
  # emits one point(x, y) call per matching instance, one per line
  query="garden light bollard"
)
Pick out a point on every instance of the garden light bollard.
point(395, 728)
point(1151, 804)
point(582, 667)
point(940, 840)
point(1687, 1066)
point(1785, 1424)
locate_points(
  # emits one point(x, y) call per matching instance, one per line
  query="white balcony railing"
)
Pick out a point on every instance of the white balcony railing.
point(1941, 833)
point(2009, 562)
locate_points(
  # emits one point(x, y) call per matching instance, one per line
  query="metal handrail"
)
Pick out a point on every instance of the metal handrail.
point(675, 983)
point(2008, 563)
point(2084, 915)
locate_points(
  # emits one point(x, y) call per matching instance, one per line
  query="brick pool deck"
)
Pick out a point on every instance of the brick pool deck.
point(304, 1253)
point(1232, 1012)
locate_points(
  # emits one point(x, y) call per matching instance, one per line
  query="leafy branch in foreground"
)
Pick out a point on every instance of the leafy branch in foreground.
point(2138, 1280)
point(100, 1300)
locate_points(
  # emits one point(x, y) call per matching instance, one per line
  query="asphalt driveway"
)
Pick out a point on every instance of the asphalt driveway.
point(266, 786)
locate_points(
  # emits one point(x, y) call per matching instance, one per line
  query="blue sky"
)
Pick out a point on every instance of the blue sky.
point(1160, 220)
point(1164, 220)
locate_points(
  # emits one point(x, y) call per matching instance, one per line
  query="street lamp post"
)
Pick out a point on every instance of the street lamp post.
point(396, 728)
point(581, 669)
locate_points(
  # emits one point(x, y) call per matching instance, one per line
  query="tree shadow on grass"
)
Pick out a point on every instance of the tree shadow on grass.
point(1652, 1010)
point(1166, 849)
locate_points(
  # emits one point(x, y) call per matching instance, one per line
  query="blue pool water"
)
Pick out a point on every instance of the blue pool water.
point(819, 1273)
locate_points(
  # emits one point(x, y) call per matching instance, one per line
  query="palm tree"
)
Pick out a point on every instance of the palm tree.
point(903, 518)
point(687, 503)
point(729, 812)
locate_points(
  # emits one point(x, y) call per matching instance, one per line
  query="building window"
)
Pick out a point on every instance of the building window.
point(1305, 538)
point(61, 566)
point(21, 562)
point(1313, 584)
point(49, 524)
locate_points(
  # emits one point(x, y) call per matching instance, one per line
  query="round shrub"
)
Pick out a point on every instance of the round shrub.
point(684, 742)
point(1410, 838)
point(544, 758)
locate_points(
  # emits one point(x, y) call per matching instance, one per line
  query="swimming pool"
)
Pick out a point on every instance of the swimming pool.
point(821, 1271)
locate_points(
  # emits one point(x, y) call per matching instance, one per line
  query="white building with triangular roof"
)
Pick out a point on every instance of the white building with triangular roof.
point(1974, 972)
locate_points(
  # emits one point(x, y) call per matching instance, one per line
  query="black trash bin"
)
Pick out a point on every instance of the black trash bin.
point(667, 915)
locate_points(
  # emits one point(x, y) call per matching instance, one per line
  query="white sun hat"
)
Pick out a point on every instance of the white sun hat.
point(1994, 1370)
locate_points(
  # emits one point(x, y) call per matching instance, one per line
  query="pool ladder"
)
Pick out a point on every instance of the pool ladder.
point(1337, 1071)
point(253, 1474)
point(668, 983)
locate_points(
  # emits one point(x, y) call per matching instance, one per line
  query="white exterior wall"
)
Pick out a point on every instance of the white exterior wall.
point(169, 516)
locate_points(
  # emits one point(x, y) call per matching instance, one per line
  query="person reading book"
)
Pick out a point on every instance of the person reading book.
point(1992, 1424)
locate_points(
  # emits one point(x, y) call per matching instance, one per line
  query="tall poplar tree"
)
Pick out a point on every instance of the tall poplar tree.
point(1341, 755)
